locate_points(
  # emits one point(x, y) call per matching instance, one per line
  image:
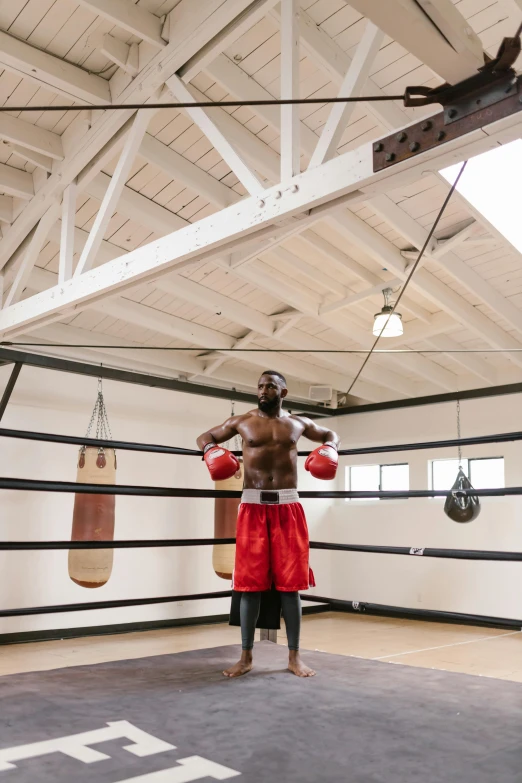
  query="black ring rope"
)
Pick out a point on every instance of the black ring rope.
point(478, 440)
point(334, 604)
point(120, 445)
point(451, 554)
point(36, 485)
point(24, 546)
point(85, 606)
point(47, 437)
point(362, 607)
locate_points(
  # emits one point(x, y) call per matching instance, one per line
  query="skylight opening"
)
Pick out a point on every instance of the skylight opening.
point(491, 183)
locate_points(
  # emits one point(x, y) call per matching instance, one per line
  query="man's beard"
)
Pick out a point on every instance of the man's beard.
point(270, 405)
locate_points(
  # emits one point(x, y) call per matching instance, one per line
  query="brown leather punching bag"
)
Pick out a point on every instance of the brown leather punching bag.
point(225, 521)
point(93, 518)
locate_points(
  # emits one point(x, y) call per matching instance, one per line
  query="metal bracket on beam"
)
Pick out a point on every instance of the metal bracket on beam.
point(491, 94)
point(476, 100)
point(488, 85)
point(434, 131)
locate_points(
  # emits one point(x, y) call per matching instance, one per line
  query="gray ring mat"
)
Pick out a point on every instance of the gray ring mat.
point(358, 720)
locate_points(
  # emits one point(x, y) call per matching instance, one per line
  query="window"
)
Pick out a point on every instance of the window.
point(487, 473)
point(375, 478)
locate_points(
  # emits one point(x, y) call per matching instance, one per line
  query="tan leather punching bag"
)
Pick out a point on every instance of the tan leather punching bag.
point(93, 518)
point(225, 521)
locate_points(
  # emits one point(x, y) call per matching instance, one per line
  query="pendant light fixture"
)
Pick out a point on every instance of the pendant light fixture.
point(386, 323)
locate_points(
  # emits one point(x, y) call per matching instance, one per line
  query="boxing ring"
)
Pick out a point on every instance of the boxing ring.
point(185, 721)
point(328, 602)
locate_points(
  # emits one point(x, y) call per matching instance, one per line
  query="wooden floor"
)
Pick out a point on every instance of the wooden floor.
point(487, 652)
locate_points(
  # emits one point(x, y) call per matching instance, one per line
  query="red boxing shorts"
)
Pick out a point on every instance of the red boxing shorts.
point(272, 547)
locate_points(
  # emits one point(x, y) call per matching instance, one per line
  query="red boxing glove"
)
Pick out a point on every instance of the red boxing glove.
point(322, 462)
point(221, 463)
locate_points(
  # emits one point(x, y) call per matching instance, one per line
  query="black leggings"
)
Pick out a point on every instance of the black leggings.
point(249, 612)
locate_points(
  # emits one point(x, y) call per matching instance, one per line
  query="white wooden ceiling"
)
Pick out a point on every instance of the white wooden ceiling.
point(281, 298)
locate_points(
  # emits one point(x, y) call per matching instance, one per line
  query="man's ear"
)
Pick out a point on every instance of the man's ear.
point(284, 392)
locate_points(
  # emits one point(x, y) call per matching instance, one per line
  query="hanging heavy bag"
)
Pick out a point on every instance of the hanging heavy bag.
point(94, 515)
point(93, 518)
point(225, 522)
point(460, 506)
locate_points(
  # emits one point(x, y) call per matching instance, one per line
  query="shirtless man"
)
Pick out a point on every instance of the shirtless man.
point(272, 535)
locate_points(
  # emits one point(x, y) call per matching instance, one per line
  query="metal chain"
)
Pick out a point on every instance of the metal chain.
point(99, 412)
point(458, 435)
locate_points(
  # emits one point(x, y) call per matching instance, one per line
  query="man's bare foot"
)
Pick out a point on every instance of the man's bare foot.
point(297, 667)
point(243, 666)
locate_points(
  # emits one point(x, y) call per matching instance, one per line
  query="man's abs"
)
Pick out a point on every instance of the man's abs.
point(270, 468)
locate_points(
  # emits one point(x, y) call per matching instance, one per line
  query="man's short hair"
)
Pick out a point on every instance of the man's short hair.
point(274, 372)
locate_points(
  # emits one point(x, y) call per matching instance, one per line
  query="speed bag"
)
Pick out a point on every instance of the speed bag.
point(225, 522)
point(93, 518)
point(462, 507)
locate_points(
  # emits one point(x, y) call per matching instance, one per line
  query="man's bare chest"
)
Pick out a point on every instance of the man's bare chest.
point(261, 432)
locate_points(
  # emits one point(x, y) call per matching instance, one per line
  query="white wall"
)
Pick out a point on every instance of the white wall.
point(56, 402)
point(51, 401)
point(486, 588)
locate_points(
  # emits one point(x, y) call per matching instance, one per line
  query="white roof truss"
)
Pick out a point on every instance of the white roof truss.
point(331, 278)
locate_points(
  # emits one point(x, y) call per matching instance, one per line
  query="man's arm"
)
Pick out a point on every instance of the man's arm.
point(322, 462)
point(220, 433)
point(221, 463)
point(319, 434)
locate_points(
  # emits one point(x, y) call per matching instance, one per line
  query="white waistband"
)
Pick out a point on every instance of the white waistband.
point(270, 496)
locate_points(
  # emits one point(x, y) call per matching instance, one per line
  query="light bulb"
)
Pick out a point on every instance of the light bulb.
point(389, 325)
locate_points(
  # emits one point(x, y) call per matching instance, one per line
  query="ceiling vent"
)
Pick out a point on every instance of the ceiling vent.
point(320, 393)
